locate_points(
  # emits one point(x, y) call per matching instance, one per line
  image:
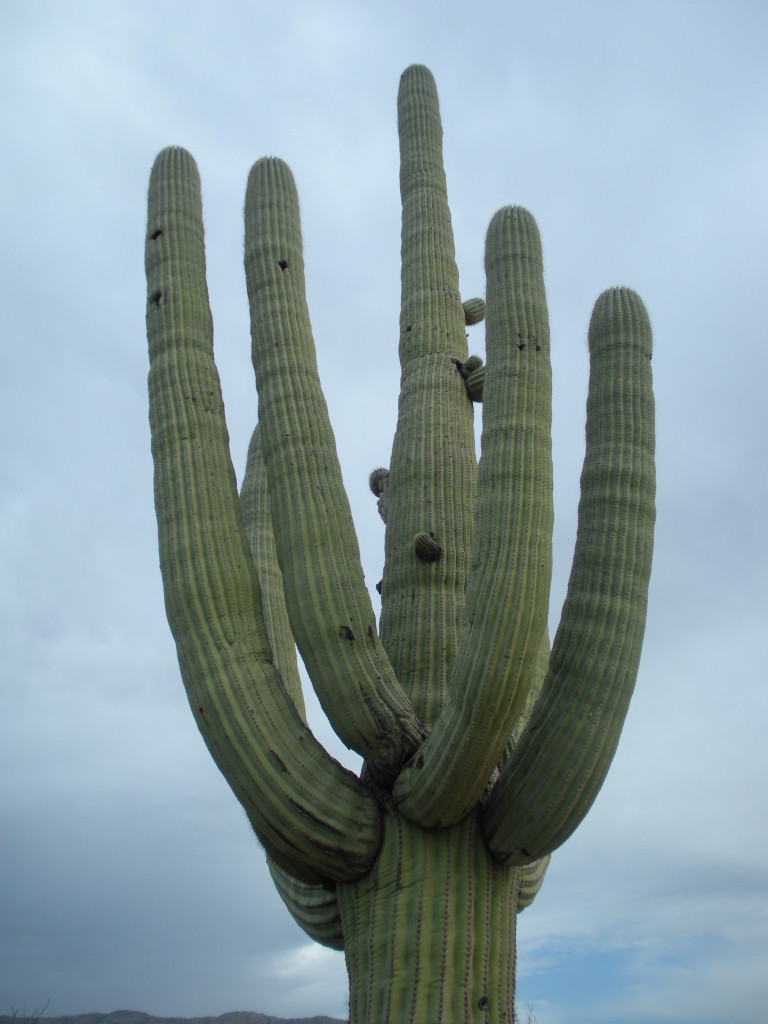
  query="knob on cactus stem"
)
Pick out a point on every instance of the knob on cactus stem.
point(427, 547)
point(483, 749)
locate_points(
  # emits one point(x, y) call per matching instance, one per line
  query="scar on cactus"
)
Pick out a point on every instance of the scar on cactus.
point(483, 745)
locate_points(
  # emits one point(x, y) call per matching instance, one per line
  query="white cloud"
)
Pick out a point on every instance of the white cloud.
point(307, 976)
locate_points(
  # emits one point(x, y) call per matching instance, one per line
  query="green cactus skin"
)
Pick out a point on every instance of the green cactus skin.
point(278, 771)
point(254, 501)
point(431, 486)
point(328, 603)
point(561, 760)
point(315, 908)
point(483, 749)
point(430, 933)
point(474, 311)
point(508, 589)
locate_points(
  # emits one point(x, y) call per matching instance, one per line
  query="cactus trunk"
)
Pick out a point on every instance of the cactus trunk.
point(430, 931)
point(483, 749)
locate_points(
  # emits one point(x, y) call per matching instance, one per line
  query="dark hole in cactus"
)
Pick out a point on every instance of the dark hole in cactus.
point(157, 298)
point(538, 348)
point(409, 328)
point(345, 633)
point(157, 235)
point(201, 709)
point(283, 264)
point(521, 346)
point(482, 1003)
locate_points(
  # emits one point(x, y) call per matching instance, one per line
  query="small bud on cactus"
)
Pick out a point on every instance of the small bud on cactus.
point(377, 481)
point(475, 382)
point(474, 311)
point(427, 547)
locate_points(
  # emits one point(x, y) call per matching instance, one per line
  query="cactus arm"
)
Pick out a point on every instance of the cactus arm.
point(313, 907)
point(562, 758)
point(531, 879)
point(508, 589)
point(432, 470)
point(254, 502)
point(328, 604)
point(304, 805)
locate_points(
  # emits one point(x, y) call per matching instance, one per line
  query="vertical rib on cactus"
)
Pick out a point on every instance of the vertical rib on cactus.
point(328, 604)
point(429, 933)
point(508, 591)
point(554, 774)
point(433, 466)
point(254, 502)
point(299, 800)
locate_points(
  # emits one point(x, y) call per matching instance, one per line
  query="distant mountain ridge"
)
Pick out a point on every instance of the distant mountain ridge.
point(135, 1017)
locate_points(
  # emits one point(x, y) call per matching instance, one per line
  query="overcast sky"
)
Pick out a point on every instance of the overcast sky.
point(638, 136)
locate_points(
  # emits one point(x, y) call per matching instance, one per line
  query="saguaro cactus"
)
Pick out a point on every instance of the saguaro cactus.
point(482, 749)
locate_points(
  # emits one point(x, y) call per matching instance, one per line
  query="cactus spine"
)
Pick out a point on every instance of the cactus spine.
point(483, 751)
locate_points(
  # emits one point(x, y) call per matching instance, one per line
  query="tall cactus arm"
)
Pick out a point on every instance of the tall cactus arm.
point(562, 758)
point(329, 606)
point(508, 591)
point(432, 470)
point(254, 502)
point(314, 908)
point(304, 805)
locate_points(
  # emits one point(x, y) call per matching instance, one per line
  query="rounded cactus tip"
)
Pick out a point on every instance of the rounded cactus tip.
point(619, 317)
point(270, 173)
point(427, 547)
point(174, 153)
point(177, 160)
point(512, 233)
point(377, 481)
point(474, 311)
point(473, 363)
point(417, 71)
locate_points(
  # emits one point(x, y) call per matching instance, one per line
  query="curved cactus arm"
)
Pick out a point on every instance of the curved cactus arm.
point(433, 468)
point(508, 590)
point(562, 758)
point(314, 908)
point(531, 878)
point(329, 606)
point(303, 803)
point(254, 502)
point(539, 675)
